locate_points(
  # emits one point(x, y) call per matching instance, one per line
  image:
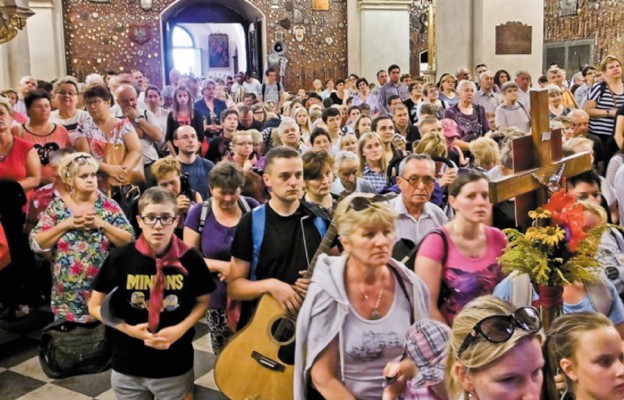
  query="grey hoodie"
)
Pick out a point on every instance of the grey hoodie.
point(326, 306)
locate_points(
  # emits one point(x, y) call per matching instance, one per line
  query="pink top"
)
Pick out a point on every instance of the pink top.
point(14, 165)
point(464, 278)
point(45, 145)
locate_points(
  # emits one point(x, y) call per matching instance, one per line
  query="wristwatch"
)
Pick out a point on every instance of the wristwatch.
point(137, 120)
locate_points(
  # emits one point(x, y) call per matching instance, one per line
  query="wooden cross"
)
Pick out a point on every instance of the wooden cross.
point(536, 156)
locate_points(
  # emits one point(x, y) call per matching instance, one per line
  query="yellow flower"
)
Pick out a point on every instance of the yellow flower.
point(552, 235)
point(533, 233)
point(539, 213)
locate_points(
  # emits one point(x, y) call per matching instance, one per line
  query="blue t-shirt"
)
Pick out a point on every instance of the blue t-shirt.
point(616, 313)
point(198, 175)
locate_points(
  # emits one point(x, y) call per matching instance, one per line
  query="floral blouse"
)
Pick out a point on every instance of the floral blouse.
point(96, 139)
point(78, 256)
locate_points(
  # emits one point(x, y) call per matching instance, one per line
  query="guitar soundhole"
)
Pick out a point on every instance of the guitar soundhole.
point(283, 330)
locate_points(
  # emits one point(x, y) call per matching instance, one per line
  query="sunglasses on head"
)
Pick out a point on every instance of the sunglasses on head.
point(362, 203)
point(500, 328)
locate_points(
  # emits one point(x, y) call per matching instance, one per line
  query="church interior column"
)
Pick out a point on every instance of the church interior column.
point(378, 35)
point(47, 43)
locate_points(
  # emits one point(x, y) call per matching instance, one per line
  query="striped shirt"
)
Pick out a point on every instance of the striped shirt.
point(605, 100)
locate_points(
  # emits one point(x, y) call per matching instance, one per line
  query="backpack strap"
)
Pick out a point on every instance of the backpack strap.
point(205, 212)
point(263, 90)
point(600, 296)
point(320, 225)
point(520, 290)
point(243, 205)
point(404, 290)
point(258, 222)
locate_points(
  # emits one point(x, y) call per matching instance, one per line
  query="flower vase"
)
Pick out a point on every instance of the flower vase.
point(550, 304)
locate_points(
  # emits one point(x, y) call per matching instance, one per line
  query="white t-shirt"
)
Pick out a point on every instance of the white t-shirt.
point(370, 344)
point(70, 124)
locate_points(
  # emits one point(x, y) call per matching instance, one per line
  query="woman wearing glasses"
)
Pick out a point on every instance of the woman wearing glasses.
point(358, 308)
point(495, 352)
point(78, 231)
point(458, 263)
point(66, 100)
point(588, 350)
point(104, 129)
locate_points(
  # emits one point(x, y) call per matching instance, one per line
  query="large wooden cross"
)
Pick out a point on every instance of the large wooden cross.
point(536, 156)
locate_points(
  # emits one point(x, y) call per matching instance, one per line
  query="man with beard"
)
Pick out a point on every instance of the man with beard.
point(192, 165)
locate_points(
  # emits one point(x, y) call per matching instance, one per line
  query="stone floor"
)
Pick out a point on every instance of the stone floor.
point(21, 376)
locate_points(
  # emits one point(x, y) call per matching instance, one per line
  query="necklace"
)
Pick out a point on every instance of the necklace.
point(375, 314)
point(3, 157)
point(479, 234)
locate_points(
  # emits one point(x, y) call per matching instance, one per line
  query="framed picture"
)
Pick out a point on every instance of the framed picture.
point(568, 7)
point(218, 51)
point(320, 5)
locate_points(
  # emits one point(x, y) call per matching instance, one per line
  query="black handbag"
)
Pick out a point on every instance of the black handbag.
point(69, 348)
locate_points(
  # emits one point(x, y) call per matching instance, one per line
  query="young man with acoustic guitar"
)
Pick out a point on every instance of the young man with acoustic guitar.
point(290, 236)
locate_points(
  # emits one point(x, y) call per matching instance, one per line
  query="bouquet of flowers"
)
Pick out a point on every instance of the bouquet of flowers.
point(555, 251)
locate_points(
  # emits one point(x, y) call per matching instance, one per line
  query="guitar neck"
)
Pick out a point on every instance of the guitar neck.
point(324, 247)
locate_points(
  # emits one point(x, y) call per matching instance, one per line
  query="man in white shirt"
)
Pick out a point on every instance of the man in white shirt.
point(252, 85)
point(417, 216)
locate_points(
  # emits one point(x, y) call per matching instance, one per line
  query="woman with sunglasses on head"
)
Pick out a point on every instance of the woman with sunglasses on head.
point(364, 290)
point(78, 229)
point(495, 352)
point(588, 351)
point(459, 262)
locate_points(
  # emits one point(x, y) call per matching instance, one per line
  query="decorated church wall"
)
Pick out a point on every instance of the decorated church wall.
point(118, 35)
point(600, 20)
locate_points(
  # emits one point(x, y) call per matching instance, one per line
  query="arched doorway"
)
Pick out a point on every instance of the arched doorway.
point(213, 37)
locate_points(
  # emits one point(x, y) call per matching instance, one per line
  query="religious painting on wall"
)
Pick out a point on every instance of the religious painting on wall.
point(320, 5)
point(568, 7)
point(218, 51)
point(513, 38)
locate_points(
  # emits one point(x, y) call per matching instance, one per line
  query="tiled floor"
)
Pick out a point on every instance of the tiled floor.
point(21, 376)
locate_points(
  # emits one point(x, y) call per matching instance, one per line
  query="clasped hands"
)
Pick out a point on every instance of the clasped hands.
point(161, 340)
point(86, 221)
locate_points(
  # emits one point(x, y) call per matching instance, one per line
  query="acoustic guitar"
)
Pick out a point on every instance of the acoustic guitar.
point(258, 361)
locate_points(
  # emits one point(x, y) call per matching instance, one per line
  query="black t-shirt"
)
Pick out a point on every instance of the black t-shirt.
point(254, 125)
point(413, 110)
point(599, 150)
point(283, 249)
point(133, 274)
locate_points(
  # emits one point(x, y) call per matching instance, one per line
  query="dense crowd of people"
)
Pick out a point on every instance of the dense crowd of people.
point(197, 198)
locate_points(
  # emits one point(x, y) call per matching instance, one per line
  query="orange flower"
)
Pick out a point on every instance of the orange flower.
point(567, 213)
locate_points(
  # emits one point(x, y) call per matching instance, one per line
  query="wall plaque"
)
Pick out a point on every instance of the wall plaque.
point(568, 7)
point(320, 5)
point(513, 38)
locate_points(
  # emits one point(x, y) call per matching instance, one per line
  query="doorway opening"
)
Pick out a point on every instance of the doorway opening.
point(213, 38)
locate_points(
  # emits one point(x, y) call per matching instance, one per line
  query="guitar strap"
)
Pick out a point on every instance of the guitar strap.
point(404, 290)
